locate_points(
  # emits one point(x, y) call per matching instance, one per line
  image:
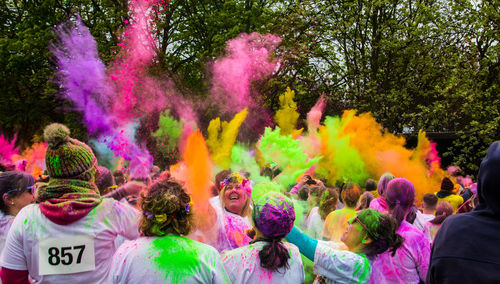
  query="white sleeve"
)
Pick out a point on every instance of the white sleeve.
point(13, 256)
point(219, 273)
point(126, 220)
point(116, 267)
point(341, 266)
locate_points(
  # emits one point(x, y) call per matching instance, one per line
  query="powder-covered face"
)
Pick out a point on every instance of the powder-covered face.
point(234, 198)
point(354, 235)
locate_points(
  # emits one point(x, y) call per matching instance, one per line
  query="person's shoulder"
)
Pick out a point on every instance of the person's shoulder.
point(241, 251)
point(201, 247)
point(292, 248)
point(29, 212)
point(133, 248)
point(111, 205)
point(410, 230)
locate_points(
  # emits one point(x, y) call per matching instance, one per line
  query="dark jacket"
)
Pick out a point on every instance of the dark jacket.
point(467, 246)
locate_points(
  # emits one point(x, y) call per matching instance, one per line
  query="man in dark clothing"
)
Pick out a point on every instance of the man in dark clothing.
point(467, 246)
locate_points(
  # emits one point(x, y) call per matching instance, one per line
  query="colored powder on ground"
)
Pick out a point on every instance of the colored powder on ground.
point(287, 153)
point(34, 157)
point(286, 117)
point(340, 160)
point(383, 152)
point(7, 150)
point(175, 256)
point(221, 138)
point(168, 134)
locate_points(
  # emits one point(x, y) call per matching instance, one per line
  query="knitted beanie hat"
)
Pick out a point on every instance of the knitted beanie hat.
point(274, 214)
point(447, 185)
point(68, 158)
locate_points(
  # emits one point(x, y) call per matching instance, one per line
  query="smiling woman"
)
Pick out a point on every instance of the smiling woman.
point(233, 216)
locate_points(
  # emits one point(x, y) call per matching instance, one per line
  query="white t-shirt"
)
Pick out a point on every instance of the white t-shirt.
point(31, 230)
point(168, 259)
point(421, 219)
point(5, 223)
point(243, 266)
point(340, 266)
point(314, 224)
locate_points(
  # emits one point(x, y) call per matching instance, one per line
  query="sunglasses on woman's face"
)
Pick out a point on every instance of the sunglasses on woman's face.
point(30, 189)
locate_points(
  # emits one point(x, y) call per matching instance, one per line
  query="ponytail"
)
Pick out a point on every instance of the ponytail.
point(412, 215)
point(274, 254)
point(398, 213)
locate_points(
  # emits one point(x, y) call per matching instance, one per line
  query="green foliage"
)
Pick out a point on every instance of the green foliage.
point(431, 65)
point(29, 100)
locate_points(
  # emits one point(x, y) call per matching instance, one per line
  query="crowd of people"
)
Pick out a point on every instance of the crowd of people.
point(85, 224)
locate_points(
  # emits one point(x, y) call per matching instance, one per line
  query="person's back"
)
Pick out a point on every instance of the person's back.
point(80, 250)
point(454, 200)
point(466, 246)
point(336, 223)
point(244, 263)
point(168, 259)
point(267, 259)
point(68, 237)
point(409, 265)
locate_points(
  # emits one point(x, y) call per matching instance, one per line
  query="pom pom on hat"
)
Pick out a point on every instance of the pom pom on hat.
point(56, 134)
point(68, 158)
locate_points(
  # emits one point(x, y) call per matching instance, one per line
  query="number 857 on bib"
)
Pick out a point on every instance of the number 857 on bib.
point(66, 255)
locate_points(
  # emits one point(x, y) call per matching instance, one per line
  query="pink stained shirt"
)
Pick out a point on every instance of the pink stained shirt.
point(379, 204)
point(409, 264)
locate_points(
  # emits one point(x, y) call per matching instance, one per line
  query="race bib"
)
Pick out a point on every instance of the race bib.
point(66, 255)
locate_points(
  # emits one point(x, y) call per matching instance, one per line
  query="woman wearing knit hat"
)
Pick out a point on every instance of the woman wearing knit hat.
point(16, 190)
point(447, 193)
point(369, 234)
point(163, 254)
point(267, 259)
point(69, 236)
point(411, 262)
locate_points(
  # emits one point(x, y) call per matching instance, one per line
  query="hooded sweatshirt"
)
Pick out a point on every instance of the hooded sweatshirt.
point(466, 246)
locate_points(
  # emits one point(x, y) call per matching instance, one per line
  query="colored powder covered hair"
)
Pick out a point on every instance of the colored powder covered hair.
point(381, 229)
point(400, 195)
point(274, 215)
point(245, 184)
